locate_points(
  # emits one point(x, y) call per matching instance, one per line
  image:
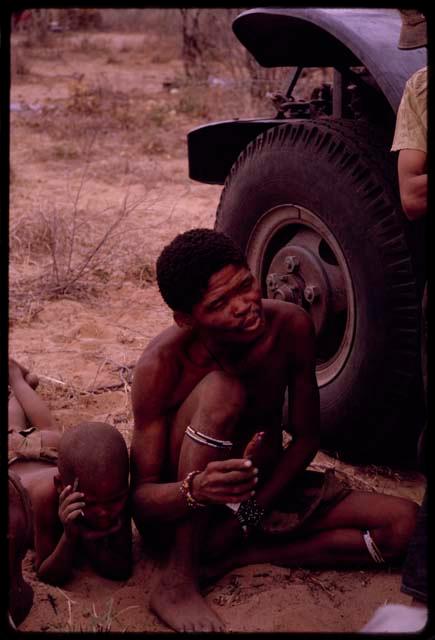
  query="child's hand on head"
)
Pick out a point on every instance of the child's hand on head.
point(70, 509)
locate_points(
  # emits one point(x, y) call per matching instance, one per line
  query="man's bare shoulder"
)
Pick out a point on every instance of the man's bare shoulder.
point(292, 329)
point(288, 317)
point(158, 371)
point(162, 351)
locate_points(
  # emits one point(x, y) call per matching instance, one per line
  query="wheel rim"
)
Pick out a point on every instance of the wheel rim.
point(296, 258)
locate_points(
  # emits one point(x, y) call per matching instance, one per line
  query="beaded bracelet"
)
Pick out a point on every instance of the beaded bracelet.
point(186, 491)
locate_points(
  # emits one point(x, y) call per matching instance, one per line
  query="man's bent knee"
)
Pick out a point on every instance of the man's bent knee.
point(395, 539)
point(221, 404)
point(219, 387)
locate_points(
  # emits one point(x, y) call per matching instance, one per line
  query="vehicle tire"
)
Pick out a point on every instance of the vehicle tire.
point(315, 207)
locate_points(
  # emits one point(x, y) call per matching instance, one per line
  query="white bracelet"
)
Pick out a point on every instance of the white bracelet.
point(372, 548)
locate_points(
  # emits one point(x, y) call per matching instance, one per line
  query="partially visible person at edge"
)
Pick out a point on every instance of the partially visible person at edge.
point(68, 495)
point(410, 140)
point(207, 459)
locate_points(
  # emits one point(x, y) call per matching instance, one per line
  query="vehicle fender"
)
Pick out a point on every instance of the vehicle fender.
point(332, 38)
point(213, 148)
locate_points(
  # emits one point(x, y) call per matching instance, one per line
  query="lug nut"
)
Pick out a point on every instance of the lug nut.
point(311, 293)
point(288, 293)
point(292, 263)
point(272, 281)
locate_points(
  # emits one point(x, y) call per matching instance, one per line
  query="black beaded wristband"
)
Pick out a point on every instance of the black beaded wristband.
point(250, 515)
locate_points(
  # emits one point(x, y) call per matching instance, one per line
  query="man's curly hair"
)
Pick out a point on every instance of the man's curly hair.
point(186, 265)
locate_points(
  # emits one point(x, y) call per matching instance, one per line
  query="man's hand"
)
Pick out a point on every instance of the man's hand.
point(225, 481)
point(70, 508)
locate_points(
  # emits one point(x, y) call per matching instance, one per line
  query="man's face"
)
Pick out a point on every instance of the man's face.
point(231, 308)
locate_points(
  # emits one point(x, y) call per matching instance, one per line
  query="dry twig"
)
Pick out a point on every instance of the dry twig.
point(319, 583)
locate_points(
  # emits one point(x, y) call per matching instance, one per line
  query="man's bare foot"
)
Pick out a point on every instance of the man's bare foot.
point(179, 604)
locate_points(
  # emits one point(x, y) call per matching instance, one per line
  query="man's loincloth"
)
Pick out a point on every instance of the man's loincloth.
point(27, 445)
point(313, 495)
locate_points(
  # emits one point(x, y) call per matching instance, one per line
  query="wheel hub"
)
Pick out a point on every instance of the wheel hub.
point(307, 266)
point(298, 274)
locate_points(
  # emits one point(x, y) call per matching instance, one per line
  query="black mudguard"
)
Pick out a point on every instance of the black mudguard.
point(213, 148)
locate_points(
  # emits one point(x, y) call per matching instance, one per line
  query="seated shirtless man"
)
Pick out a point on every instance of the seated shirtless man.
point(207, 456)
point(77, 486)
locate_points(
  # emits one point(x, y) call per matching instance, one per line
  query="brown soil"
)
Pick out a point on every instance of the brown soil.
point(109, 85)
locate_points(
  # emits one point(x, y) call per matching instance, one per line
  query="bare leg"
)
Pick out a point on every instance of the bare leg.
point(214, 408)
point(16, 416)
point(335, 540)
point(31, 378)
point(24, 396)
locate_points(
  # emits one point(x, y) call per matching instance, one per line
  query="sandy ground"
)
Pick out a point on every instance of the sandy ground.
point(84, 342)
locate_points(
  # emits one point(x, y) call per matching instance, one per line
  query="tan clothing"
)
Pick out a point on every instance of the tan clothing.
point(411, 123)
point(313, 495)
point(27, 445)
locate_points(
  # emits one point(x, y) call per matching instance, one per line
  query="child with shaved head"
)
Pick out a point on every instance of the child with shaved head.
point(77, 482)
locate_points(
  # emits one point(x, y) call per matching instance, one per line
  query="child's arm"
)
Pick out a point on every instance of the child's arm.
point(53, 556)
point(57, 567)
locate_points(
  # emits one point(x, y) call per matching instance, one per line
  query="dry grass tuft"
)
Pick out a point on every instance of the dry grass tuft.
point(72, 251)
point(98, 622)
point(88, 45)
point(142, 274)
point(163, 21)
point(28, 236)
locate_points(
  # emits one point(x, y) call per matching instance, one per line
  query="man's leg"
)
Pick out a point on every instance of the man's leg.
point(414, 576)
point(26, 401)
point(16, 416)
point(336, 538)
point(213, 409)
point(25, 404)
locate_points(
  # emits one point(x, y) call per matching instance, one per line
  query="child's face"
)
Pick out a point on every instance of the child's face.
point(104, 504)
